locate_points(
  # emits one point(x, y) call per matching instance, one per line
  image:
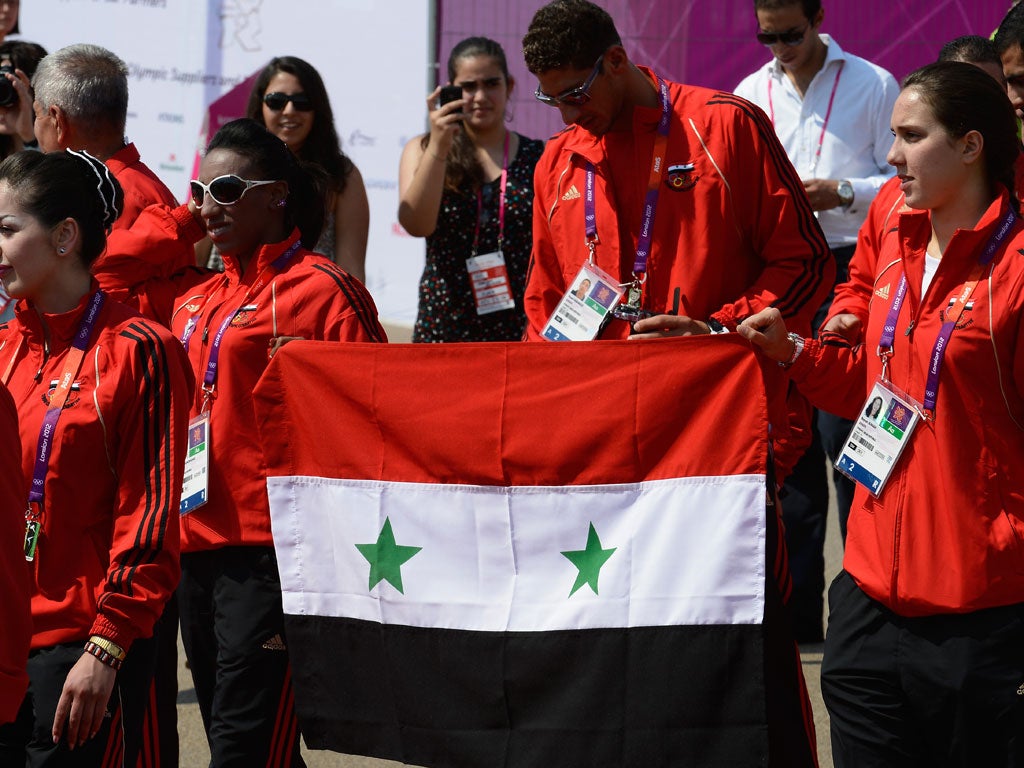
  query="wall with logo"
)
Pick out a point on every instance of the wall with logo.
point(183, 55)
point(712, 43)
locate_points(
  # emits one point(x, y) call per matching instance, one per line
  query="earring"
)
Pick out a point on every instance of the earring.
point(282, 203)
point(62, 251)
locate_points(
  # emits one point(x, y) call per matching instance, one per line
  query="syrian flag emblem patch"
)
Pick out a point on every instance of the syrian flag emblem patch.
point(681, 177)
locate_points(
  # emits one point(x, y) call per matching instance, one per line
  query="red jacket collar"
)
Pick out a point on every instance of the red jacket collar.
point(59, 329)
point(264, 257)
point(124, 157)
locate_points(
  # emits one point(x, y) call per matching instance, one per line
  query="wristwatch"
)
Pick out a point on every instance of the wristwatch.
point(845, 192)
point(715, 327)
point(798, 348)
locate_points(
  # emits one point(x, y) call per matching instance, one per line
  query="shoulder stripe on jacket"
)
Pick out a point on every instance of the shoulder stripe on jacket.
point(356, 297)
point(804, 289)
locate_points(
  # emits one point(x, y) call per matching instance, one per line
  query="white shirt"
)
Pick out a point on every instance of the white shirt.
point(857, 137)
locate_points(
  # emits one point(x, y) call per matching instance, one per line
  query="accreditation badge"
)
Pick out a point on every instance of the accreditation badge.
point(584, 308)
point(195, 487)
point(879, 436)
point(488, 277)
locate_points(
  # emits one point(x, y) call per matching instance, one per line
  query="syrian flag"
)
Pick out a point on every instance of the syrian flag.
point(523, 555)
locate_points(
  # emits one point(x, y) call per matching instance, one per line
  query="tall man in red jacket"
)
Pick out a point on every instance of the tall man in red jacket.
point(684, 199)
point(81, 102)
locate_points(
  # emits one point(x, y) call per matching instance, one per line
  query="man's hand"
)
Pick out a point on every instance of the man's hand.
point(26, 114)
point(83, 702)
point(823, 194)
point(663, 326)
point(767, 330)
point(277, 342)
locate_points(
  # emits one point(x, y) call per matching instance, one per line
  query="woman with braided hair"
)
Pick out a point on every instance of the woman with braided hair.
point(103, 399)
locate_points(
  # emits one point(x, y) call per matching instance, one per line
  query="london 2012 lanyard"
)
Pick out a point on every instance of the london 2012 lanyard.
point(885, 350)
point(501, 204)
point(828, 114)
point(634, 295)
point(268, 272)
point(48, 429)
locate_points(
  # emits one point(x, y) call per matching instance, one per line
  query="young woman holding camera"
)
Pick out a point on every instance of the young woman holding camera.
point(467, 187)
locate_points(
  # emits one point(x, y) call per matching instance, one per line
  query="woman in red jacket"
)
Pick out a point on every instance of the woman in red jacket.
point(923, 657)
point(102, 395)
point(263, 213)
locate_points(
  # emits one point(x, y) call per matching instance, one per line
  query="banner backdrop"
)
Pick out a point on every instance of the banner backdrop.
point(712, 44)
point(182, 56)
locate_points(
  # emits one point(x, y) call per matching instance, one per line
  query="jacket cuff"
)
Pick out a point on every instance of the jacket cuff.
point(121, 636)
point(726, 317)
point(188, 226)
point(806, 361)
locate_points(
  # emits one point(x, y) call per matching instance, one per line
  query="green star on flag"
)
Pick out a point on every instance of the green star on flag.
point(386, 558)
point(589, 561)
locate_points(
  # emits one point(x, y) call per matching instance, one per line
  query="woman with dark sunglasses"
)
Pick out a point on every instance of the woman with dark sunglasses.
point(262, 210)
point(467, 187)
point(289, 99)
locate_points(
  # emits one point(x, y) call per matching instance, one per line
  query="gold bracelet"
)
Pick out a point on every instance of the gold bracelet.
point(105, 658)
point(109, 646)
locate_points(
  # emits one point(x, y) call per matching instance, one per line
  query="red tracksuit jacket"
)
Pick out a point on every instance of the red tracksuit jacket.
point(946, 535)
point(107, 559)
point(14, 597)
point(311, 298)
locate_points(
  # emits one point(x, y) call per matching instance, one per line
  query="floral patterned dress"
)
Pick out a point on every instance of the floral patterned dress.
point(447, 311)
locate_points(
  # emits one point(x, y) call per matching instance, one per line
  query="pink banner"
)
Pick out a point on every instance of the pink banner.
point(712, 44)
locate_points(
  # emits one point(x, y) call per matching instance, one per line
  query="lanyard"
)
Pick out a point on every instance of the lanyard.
point(501, 204)
point(268, 272)
point(643, 247)
point(952, 317)
point(48, 429)
point(828, 114)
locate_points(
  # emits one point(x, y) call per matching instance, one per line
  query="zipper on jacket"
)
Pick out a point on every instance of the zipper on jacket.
point(896, 536)
point(46, 352)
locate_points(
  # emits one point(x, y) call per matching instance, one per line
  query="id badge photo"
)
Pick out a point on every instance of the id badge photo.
point(878, 437)
point(581, 312)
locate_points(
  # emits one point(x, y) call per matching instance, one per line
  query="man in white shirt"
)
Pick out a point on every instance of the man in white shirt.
point(831, 111)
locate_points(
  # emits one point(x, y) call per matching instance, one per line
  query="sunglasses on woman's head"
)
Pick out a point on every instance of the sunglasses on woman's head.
point(225, 190)
point(278, 101)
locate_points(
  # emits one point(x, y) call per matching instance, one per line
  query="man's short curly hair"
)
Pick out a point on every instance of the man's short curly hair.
point(568, 34)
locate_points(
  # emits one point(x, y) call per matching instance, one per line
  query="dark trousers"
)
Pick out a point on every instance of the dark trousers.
point(926, 692)
point(27, 741)
point(160, 730)
point(805, 500)
point(232, 627)
point(791, 741)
